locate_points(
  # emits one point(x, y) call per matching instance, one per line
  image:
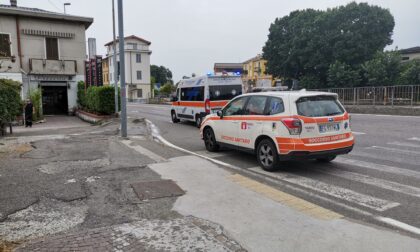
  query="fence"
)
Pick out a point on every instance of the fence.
point(390, 95)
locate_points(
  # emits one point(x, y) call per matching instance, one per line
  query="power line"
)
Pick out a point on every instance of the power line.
point(55, 6)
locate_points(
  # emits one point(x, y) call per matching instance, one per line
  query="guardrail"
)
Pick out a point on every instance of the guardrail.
point(389, 95)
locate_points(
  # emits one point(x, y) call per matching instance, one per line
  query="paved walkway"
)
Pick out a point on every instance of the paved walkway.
point(53, 122)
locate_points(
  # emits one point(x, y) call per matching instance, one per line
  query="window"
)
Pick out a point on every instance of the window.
point(132, 46)
point(224, 92)
point(51, 46)
point(139, 93)
point(316, 106)
point(192, 94)
point(5, 48)
point(235, 107)
point(138, 75)
point(276, 106)
point(138, 58)
point(256, 105)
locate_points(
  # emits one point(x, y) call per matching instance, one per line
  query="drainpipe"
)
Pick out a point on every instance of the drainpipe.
point(18, 41)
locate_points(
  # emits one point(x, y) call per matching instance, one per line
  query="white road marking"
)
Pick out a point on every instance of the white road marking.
point(404, 226)
point(331, 190)
point(381, 183)
point(144, 151)
point(391, 158)
point(405, 144)
point(399, 224)
point(414, 139)
point(358, 133)
point(378, 167)
point(395, 150)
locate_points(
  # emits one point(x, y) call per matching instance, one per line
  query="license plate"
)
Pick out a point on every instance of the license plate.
point(329, 127)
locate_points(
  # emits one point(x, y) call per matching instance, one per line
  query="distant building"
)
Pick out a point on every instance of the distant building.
point(228, 67)
point(408, 54)
point(105, 71)
point(255, 72)
point(46, 50)
point(137, 67)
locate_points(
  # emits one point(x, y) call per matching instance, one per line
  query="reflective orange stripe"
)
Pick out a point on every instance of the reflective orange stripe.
point(295, 144)
point(189, 104)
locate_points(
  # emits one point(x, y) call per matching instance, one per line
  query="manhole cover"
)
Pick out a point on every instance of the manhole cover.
point(157, 189)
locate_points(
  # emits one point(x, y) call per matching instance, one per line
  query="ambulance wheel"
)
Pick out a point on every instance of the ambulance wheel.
point(267, 155)
point(174, 118)
point(198, 121)
point(326, 159)
point(210, 140)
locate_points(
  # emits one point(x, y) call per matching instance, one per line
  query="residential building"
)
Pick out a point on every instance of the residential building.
point(228, 68)
point(255, 72)
point(46, 50)
point(137, 67)
point(408, 54)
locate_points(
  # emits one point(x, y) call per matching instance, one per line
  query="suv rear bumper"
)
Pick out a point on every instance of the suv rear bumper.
point(302, 155)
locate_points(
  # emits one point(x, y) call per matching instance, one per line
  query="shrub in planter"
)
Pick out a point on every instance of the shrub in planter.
point(10, 102)
point(98, 100)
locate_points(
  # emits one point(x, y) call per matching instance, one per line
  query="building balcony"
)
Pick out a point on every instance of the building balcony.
point(56, 67)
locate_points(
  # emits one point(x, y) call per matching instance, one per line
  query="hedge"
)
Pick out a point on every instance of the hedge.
point(10, 101)
point(98, 100)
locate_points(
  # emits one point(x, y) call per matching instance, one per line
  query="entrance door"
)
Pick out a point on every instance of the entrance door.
point(54, 100)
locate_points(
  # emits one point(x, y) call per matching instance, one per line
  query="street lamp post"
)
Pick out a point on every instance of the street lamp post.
point(122, 69)
point(66, 4)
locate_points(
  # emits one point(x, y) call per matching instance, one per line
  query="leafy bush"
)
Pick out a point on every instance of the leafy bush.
point(10, 102)
point(98, 100)
point(36, 98)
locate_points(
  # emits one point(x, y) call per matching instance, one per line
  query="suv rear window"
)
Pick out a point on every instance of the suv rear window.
point(224, 92)
point(317, 106)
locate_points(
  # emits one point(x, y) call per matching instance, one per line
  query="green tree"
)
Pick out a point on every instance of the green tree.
point(383, 69)
point(167, 89)
point(342, 75)
point(161, 74)
point(410, 73)
point(308, 42)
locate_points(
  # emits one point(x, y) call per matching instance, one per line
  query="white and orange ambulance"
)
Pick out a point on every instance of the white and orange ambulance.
point(279, 126)
point(199, 96)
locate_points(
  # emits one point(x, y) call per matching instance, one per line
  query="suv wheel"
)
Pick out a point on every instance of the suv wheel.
point(198, 121)
point(326, 159)
point(210, 140)
point(267, 155)
point(174, 118)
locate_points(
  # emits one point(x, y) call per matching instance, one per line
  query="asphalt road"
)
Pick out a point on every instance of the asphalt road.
point(378, 182)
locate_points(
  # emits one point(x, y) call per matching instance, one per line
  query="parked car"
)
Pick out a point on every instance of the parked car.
point(279, 126)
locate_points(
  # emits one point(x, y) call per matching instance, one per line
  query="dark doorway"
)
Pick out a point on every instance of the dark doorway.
point(54, 100)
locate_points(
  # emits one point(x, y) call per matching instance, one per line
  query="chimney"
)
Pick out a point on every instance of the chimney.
point(13, 3)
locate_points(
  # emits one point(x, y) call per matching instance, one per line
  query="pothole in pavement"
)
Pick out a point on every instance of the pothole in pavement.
point(62, 166)
point(44, 218)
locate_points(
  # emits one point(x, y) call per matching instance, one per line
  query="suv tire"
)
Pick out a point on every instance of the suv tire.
point(267, 155)
point(326, 159)
point(210, 140)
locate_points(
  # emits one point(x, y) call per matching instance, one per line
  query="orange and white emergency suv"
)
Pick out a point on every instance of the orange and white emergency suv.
point(199, 96)
point(279, 126)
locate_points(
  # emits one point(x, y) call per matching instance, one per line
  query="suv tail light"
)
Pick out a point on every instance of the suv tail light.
point(207, 106)
point(293, 125)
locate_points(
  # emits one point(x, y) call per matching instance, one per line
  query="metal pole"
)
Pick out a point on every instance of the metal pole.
point(412, 95)
point(115, 60)
point(122, 69)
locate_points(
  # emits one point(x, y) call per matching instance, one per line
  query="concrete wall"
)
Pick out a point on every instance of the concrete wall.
point(383, 110)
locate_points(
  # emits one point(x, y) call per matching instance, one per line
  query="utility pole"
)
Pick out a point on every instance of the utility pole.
point(122, 69)
point(115, 60)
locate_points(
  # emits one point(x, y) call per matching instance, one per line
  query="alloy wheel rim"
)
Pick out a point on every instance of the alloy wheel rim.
point(266, 155)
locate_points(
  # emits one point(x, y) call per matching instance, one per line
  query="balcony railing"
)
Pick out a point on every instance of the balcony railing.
point(58, 67)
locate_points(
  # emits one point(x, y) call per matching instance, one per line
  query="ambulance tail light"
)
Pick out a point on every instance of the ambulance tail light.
point(207, 106)
point(293, 125)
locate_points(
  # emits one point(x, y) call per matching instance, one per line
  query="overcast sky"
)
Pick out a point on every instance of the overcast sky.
point(189, 36)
